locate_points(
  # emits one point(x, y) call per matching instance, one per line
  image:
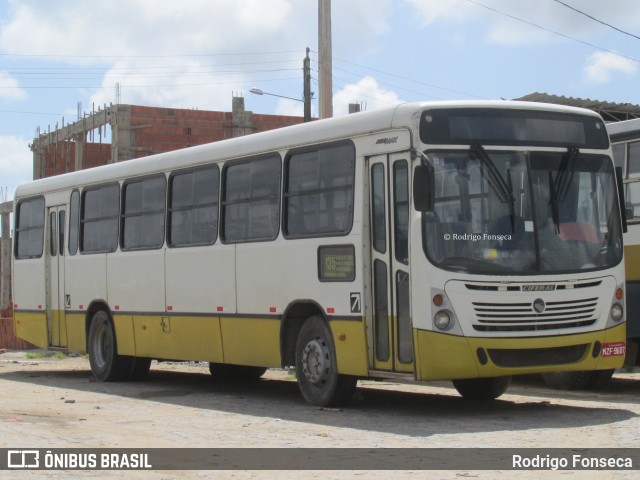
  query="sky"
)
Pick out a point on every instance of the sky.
point(55, 56)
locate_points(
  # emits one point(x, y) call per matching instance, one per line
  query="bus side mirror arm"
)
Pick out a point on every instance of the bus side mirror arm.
point(424, 188)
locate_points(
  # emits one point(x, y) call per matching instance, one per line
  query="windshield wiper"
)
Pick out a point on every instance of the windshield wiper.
point(503, 188)
point(553, 194)
point(563, 180)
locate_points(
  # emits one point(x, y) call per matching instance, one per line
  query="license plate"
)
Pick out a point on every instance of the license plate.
point(614, 349)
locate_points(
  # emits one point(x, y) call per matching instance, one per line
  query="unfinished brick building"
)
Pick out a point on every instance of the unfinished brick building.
point(117, 133)
point(137, 131)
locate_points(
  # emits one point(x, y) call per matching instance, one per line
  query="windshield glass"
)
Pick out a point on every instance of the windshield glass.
point(522, 212)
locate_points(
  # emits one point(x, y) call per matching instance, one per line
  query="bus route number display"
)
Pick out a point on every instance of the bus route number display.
point(337, 263)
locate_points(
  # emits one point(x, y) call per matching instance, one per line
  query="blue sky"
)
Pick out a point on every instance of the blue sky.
point(197, 54)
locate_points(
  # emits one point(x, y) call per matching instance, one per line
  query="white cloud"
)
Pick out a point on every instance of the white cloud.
point(602, 67)
point(198, 43)
point(139, 27)
point(366, 91)
point(10, 88)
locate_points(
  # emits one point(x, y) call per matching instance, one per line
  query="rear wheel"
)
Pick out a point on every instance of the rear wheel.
point(482, 389)
point(600, 379)
point(567, 380)
point(222, 372)
point(582, 380)
point(139, 368)
point(317, 368)
point(106, 364)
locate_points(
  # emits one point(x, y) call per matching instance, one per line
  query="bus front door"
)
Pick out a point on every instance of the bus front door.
point(56, 316)
point(389, 225)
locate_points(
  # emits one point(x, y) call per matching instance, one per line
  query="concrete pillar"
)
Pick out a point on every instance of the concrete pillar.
point(38, 163)
point(242, 119)
point(122, 136)
point(79, 154)
point(325, 64)
point(5, 256)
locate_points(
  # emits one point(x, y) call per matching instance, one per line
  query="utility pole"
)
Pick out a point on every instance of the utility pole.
point(325, 69)
point(307, 87)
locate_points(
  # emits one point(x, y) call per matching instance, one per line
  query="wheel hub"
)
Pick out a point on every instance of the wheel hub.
point(315, 361)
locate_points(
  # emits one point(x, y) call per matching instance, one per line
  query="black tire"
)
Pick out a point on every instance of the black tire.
point(600, 379)
point(317, 368)
point(106, 364)
point(253, 373)
point(224, 373)
point(567, 380)
point(482, 389)
point(139, 368)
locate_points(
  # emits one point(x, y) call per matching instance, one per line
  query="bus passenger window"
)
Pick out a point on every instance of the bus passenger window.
point(29, 229)
point(251, 200)
point(193, 207)
point(99, 219)
point(318, 192)
point(143, 213)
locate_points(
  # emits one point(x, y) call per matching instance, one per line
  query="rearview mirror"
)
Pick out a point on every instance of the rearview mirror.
point(424, 188)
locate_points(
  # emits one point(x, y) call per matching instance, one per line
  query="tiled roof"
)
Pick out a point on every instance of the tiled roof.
point(611, 112)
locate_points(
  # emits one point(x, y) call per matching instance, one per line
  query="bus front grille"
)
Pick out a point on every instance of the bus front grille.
point(523, 316)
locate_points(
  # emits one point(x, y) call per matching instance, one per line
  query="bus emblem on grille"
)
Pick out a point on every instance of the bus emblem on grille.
point(538, 288)
point(539, 305)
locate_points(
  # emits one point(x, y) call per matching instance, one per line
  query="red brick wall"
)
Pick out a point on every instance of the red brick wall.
point(60, 158)
point(157, 130)
point(7, 337)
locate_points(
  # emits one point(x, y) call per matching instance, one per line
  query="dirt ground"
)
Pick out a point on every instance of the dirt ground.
point(55, 403)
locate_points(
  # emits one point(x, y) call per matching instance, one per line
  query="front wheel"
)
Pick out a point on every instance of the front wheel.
point(482, 389)
point(106, 364)
point(317, 368)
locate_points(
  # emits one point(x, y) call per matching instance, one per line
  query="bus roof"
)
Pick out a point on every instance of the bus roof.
point(625, 130)
point(399, 116)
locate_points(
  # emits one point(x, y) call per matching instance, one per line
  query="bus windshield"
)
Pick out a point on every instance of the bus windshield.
point(522, 212)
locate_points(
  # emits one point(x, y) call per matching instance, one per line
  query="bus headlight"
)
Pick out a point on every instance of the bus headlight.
point(442, 319)
point(616, 312)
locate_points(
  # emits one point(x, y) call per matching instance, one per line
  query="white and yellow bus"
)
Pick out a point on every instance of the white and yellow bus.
point(462, 241)
point(625, 141)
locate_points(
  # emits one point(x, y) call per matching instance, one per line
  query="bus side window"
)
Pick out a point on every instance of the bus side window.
point(632, 193)
point(251, 200)
point(193, 207)
point(99, 219)
point(74, 222)
point(318, 191)
point(29, 229)
point(143, 204)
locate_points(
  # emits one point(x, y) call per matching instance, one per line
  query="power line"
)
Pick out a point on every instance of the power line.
point(597, 20)
point(400, 77)
point(187, 55)
point(553, 31)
